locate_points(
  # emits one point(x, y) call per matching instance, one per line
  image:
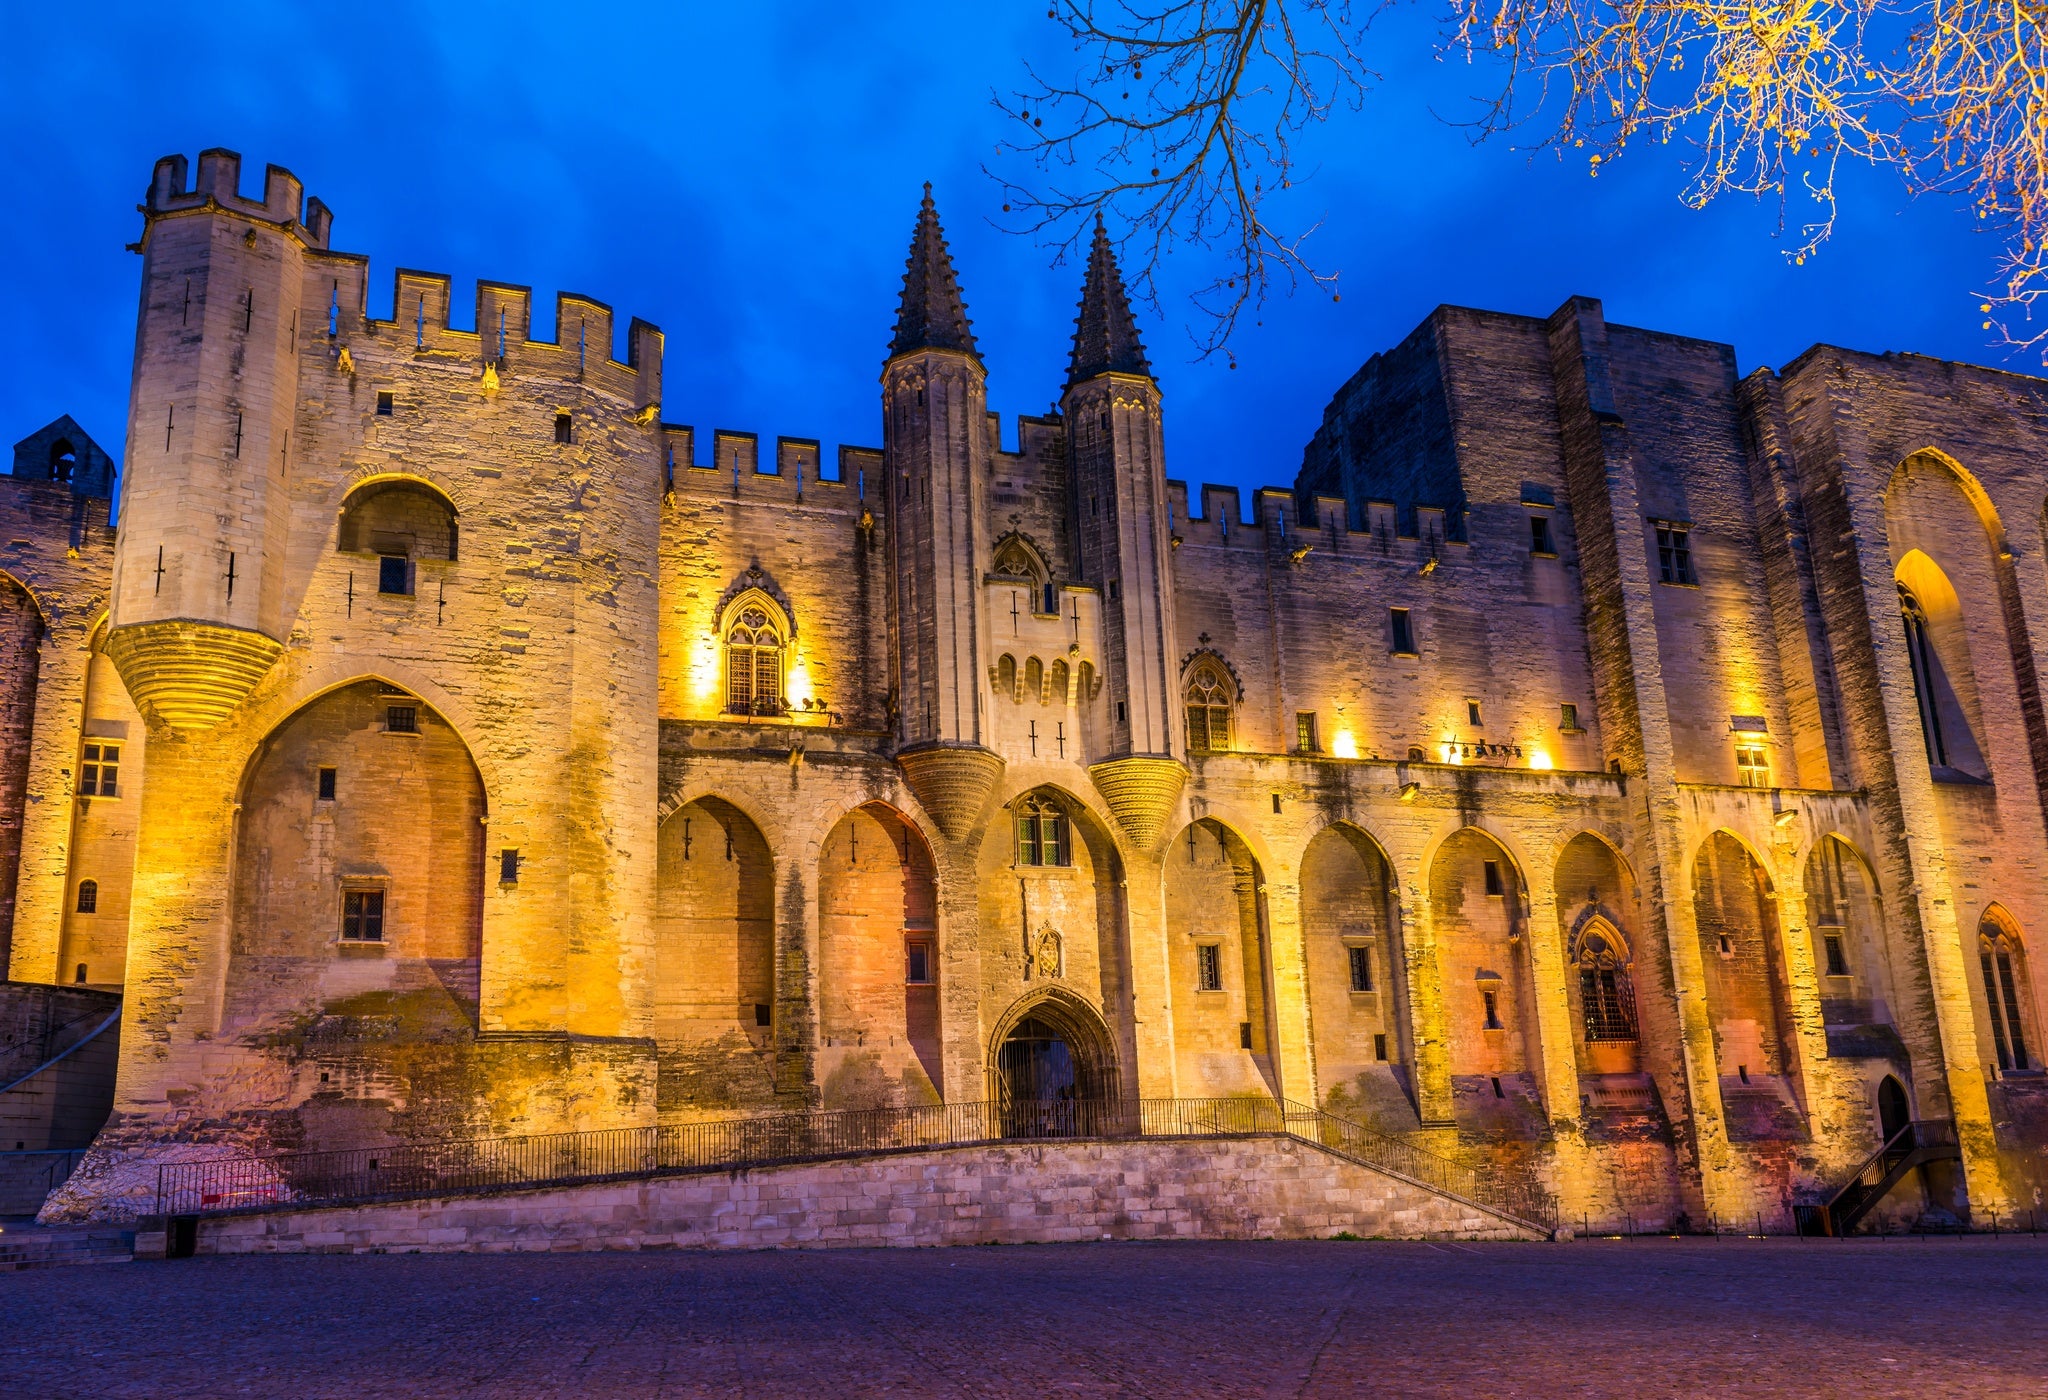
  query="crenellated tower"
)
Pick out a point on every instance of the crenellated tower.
point(1118, 463)
point(935, 452)
point(199, 598)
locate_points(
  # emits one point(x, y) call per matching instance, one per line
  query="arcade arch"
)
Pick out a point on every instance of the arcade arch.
point(1479, 911)
point(1218, 963)
point(1736, 914)
point(879, 963)
point(1356, 977)
point(1846, 922)
point(1597, 910)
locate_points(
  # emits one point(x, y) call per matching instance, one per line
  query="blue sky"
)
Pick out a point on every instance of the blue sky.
point(746, 177)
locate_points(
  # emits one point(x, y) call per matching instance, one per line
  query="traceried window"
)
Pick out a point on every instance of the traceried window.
point(2003, 963)
point(1920, 653)
point(753, 664)
point(1607, 1000)
point(1042, 833)
point(1209, 701)
point(99, 771)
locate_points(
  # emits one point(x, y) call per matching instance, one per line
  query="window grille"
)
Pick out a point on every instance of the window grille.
point(753, 665)
point(1208, 967)
point(401, 719)
point(1831, 945)
point(1568, 716)
point(362, 916)
point(1361, 969)
point(88, 896)
point(99, 771)
point(1607, 998)
point(1305, 740)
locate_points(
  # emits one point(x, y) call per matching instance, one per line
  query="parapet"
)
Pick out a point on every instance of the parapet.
point(284, 201)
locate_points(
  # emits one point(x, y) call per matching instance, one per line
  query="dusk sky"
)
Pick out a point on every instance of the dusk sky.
point(746, 178)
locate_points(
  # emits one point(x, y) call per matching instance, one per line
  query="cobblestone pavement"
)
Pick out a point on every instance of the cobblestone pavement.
point(1646, 1317)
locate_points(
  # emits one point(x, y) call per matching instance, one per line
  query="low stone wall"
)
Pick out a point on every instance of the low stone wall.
point(1214, 1189)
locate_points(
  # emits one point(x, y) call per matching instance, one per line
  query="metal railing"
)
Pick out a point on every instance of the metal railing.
point(230, 1185)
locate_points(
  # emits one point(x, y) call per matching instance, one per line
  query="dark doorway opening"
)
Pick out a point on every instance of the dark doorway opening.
point(1048, 1083)
point(1893, 1111)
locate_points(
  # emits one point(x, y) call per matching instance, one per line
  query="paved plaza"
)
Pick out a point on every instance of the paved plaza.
point(1595, 1318)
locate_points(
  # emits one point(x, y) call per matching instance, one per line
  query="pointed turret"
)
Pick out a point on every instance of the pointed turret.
point(1105, 333)
point(932, 315)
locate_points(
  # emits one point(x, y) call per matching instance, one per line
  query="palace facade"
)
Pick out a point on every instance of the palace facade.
point(1601, 765)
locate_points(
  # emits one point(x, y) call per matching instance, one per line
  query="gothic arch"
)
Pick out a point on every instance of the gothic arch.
point(1079, 1023)
point(397, 513)
point(1017, 556)
point(1972, 490)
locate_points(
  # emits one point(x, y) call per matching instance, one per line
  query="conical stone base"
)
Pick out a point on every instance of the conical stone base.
point(189, 675)
point(1142, 792)
point(953, 782)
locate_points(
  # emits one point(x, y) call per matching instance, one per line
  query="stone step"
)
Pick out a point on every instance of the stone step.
point(41, 1247)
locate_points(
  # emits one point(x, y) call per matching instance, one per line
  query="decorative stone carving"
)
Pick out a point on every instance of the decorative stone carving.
point(1046, 957)
point(953, 782)
point(1141, 792)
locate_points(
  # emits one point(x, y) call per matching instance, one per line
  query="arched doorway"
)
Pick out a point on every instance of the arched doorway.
point(1893, 1111)
point(1052, 1072)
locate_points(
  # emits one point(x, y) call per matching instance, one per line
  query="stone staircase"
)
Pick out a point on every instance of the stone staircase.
point(25, 1245)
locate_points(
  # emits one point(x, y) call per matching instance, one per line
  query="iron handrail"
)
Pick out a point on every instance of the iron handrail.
point(232, 1185)
point(1926, 1132)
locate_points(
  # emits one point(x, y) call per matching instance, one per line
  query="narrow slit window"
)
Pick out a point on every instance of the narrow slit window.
point(1494, 886)
point(917, 962)
point(1831, 944)
point(1305, 740)
point(1539, 535)
point(1473, 715)
point(1491, 1001)
point(328, 779)
point(1361, 969)
point(564, 428)
point(1379, 1047)
point(508, 866)
point(1208, 967)
point(1403, 631)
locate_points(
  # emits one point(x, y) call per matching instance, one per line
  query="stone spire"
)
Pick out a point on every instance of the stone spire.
point(932, 315)
point(1105, 333)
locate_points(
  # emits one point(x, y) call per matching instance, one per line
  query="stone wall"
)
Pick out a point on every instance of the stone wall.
point(1264, 1188)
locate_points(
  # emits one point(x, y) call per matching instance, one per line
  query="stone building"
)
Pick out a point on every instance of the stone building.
point(1600, 765)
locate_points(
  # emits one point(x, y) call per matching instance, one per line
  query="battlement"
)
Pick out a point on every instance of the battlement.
point(1280, 519)
point(284, 201)
point(737, 467)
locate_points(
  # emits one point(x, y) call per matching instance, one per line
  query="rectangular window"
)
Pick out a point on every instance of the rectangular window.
point(917, 963)
point(99, 771)
point(1112, 590)
point(327, 781)
point(1472, 715)
point(1492, 1003)
point(1404, 631)
point(508, 866)
point(1120, 712)
point(401, 719)
point(1305, 732)
point(383, 403)
point(562, 428)
point(1568, 717)
point(1831, 943)
point(362, 916)
point(393, 576)
point(1244, 1035)
point(1361, 969)
point(763, 1014)
point(1379, 1047)
point(1674, 555)
point(1208, 967)
point(1493, 882)
point(1539, 534)
point(1752, 766)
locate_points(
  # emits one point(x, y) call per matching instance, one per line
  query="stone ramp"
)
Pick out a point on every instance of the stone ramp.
point(1265, 1187)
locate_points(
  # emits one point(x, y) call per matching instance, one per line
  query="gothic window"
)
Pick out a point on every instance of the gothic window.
point(1607, 1000)
point(88, 896)
point(753, 664)
point(1209, 696)
point(2003, 962)
point(1925, 667)
point(1042, 833)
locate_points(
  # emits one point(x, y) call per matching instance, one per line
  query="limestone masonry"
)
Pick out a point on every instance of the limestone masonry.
point(1599, 767)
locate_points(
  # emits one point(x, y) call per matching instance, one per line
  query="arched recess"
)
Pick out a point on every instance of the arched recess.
point(1599, 916)
point(1851, 957)
point(2005, 983)
point(1736, 912)
point(1945, 688)
point(757, 639)
point(1479, 915)
point(1219, 962)
point(1052, 912)
point(397, 516)
point(1060, 1013)
point(714, 959)
point(108, 785)
point(21, 640)
point(359, 868)
point(880, 963)
point(1357, 979)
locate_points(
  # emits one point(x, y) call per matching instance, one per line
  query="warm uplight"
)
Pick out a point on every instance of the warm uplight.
point(705, 674)
point(1539, 760)
point(1449, 752)
point(1343, 745)
point(797, 686)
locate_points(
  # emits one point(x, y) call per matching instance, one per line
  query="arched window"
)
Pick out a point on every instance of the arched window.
point(1920, 652)
point(1607, 998)
point(1042, 833)
point(2004, 964)
point(404, 520)
point(63, 460)
point(753, 664)
point(88, 896)
point(1209, 695)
